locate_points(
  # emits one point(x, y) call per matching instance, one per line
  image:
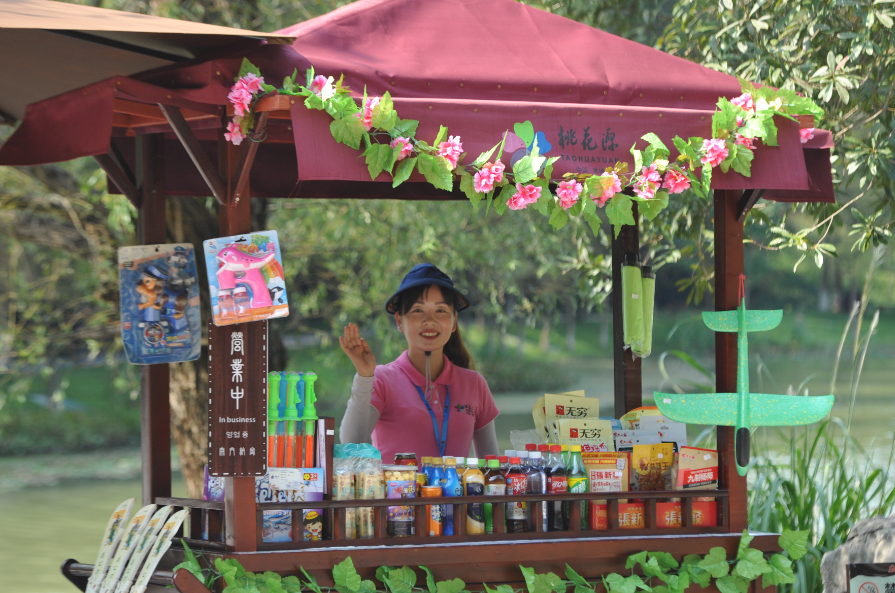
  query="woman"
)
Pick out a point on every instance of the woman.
point(429, 401)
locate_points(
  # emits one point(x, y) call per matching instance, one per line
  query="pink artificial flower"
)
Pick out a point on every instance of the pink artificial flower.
point(406, 147)
point(489, 174)
point(740, 122)
point(611, 190)
point(676, 182)
point(367, 114)
point(497, 171)
point(252, 83)
point(745, 102)
point(241, 99)
point(317, 84)
point(715, 152)
point(234, 132)
point(568, 193)
point(451, 150)
point(524, 196)
point(806, 134)
point(741, 140)
point(648, 182)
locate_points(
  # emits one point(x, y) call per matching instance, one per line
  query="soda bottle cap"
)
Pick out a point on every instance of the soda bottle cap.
point(493, 463)
point(575, 448)
point(555, 448)
point(450, 462)
point(515, 460)
point(483, 463)
point(490, 457)
point(543, 448)
point(531, 447)
point(564, 448)
point(509, 453)
point(522, 454)
point(460, 460)
point(503, 459)
point(534, 455)
point(472, 461)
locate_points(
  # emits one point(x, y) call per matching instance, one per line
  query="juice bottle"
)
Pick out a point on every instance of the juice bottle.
point(474, 485)
point(495, 485)
point(577, 475)
point(517, 483)
point(437, 472)
point(426, 468)
point(537, 484)
point(451, 486)
point(557, 483)
point(504, 464)
point(461, 467)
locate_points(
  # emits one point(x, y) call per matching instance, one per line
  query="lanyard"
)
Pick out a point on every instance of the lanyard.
point(440, 436)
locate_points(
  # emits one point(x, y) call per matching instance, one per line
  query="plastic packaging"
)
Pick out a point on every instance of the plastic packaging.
point(645, 346)
point(474, 485)
point(632, 301)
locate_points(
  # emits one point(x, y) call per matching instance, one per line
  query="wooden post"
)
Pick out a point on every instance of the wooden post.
point(628, 381)
point(239, 502)
point(728, 267)
point(155, 409)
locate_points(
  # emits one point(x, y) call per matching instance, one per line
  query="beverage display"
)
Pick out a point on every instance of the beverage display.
point(495, 485)
point(537, 484)
point(450, 486)
point(557, 483)
point(577, 477)
point(474, 485)
point(517, 483)
point(434, 512)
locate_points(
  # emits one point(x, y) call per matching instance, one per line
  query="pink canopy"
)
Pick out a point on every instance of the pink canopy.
point(480, 67)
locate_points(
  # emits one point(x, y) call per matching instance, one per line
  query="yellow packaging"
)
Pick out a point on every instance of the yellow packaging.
point(594, 435)
point(539, 414)
point(608, 472)
point(631, 420)
point(565, 407)
point(652, 467)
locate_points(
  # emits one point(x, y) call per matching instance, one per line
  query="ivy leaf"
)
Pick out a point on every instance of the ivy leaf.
point(405, 127)
point(794, 543)
point(742, 164)
point(724, 121)
point(523, 170)
point(483, 158)
point(505, 589)
point(652, 568)
point(558, 218)
point(430, 580)
point(593, 220)
point(452, 586)
point(685, 149)
point(751, 564)
point(745, 540)
point(309, 76)
point(247, 67)
point(345, 577)
point(401, 580)
point(650, 209)
point(659, 148)
point(505, 194)
point(402, 173)
point(697, 574)
point(384, 115)
point(436, 170)
point(706, 179)
point(442, 134)
point(367, 586)
point(467, 186)
point(529, 575)
point(731, 154)
point(314, 102)
point(615, 583)
point(665, 559)
point(548, 167)
point(292, 584)
point(230, 569)
point(347, 130)
point(678, 583)
point(381, 573)
point(619, 210)
point(770, 136)
point(341, 106)
point(311, 583)
point(638, 158)
point(780, 572)
point(716, 562)
point(634, 559)
point(379, 159)
point(575, 577)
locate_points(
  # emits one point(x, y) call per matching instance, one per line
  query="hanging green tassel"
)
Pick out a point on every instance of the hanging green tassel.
point(632, 307)
point(648, 279)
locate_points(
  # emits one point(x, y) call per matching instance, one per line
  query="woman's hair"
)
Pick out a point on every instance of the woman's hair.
point(455, 349)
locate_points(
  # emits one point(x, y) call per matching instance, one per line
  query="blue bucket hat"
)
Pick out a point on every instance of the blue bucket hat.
point(425, 275)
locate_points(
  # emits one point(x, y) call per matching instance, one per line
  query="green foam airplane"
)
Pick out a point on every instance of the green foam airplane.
point(743, 409)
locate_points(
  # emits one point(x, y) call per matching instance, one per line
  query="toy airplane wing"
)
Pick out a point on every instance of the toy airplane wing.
point(756, 321)
point(699, 408)
point(787, 410)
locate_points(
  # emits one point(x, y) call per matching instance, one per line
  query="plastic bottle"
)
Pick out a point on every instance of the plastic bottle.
point(451, 486)
point(577, 476)
point(461, 466)
point(474, 485)
point(509, 453)
point(426, 468)
point(517, 483)
point(557, 483)
point(565, 455)
point(504, 463)
point(241, 300)
point(537, 484)
point(523, 459)
point(531, 447)
point(437, 472)
point(495, 485)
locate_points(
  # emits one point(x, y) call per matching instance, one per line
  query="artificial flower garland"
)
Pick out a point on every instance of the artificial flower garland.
point(391, 145)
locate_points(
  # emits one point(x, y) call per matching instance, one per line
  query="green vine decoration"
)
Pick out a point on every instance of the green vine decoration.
point(390, 144)
point(652, 572)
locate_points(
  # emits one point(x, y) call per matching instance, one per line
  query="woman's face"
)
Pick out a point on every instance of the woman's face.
point(429, 322)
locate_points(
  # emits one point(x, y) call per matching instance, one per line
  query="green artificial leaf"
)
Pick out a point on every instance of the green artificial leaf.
point(575, 577)
point(230, 569)
point(615, 583)
point(652, 568)
point(505, 589)
point(401, 580)
point(483, 158)
point(430, 580)
point(341, 106)
point(525, 131)
point(742, 164)
point(659, 148)
point(348, 130)
point(247, 67)
point(706, 179)
point(697, 575)
point(505, 194)
point(526, 169)
point(268, 88)
point(384, 115)
point(750, 564)
point(619, 211)
point(665, 559)
point(367, 586)
point(548, 167)
point(292, 584)
point(794, 543)
point(731, 154)
point(770, 128)
point(436, 170)
point(638, 158)
point(754, 127)
point(314, 102)
point(191, 567)
point(716, 562)
point(442, 134)
point(309, 76)
point(405, 128)
point(382, 573)
point(685, 149)
point(724, 120)
point(558, 218)
point(545, 202)
point(731, 584)
point(452, 586)
point(650, 209)
point(311, 583)
point(380, 157)
point(678, 583)
point(345, 577)
point(402, 173)
point(745, 540)
point(593, 220)
point(780, 572)
point(528, 574)
point(467, 186)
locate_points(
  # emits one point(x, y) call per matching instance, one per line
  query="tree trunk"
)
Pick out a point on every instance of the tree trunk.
point(189, 420)
point(544, 341)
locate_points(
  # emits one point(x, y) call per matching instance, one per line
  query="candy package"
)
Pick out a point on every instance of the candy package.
point(160, 318)
point(245, 278)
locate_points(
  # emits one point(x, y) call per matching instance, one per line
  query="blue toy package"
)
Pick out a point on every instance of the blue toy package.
point(160, 317)
point(245, 278)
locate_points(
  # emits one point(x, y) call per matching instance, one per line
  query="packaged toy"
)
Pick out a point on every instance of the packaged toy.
point(159, 303)
point(245, 278)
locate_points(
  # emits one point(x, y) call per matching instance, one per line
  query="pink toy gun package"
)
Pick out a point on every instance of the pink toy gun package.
point(245, 277)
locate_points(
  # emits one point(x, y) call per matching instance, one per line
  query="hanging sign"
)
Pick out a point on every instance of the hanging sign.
point(237, 399)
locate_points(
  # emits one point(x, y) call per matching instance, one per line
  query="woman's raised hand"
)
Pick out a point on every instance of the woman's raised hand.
point(358, 350)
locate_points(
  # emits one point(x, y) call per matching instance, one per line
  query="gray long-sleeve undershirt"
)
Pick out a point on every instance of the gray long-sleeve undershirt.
point(361, 417)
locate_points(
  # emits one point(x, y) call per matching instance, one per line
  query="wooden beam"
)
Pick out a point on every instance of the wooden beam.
point(119, 177)
point(728, 267)
point(194, 149)
point(155, 409)
point(247, 159)
point(627, 369)
point(747, 201)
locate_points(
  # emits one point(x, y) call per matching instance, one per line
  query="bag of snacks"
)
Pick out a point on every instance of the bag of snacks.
point(594, 435)
point(653, 467)
point(697, 470)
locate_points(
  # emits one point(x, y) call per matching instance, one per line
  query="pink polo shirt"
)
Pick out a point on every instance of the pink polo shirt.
point(404, 423)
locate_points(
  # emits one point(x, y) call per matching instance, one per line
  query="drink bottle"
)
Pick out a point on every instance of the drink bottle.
point(474, 485)
point(537, 484)
point(577, 476)
point(517, 483)
point(495, 485)
point(557, 483)
point(450, 486)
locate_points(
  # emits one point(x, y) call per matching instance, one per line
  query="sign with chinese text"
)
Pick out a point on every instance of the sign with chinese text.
point(237, 399)
point(871, 578)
